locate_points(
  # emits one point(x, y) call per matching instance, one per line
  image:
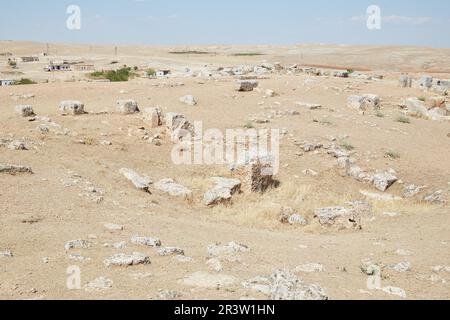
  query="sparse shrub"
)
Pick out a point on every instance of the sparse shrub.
point(120, 75)
point(347, 146)
point(24, 81)
point(403, 119)
point(350, 71)
point(423, 99)
point(392, 155)
point(12, 63)
point(151, 72)
point(379, 114)
point(249, 125)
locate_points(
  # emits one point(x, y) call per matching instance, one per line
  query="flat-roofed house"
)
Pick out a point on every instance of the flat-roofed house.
point(63, 66)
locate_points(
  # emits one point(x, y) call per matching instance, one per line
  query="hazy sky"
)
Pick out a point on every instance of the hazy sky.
point(405, 22)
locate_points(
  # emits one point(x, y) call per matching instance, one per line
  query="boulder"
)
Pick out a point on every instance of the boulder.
point(284, 285)
point(338, 217)
point(179, 127)
point(175, 190)
point(365, 102)
point(189, 100)
point(15, 169)
point(77, 244)
point(289, 216)
point(426, 82)
point(255, 172)
point(72, 107)
point(127, 106)
point(383, 180)
point(153, 117)
point(123, 260)
point(222, 192)
point(146, 241)
point(141, 183)
point(25, 110)
point(246, 85)
point(416, 107)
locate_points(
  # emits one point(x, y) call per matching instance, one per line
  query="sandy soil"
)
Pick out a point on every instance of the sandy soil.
point(39, 213)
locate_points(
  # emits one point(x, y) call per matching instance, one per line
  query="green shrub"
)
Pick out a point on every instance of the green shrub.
point(392, 155)
point(347, 146)
point(403, 119)
point(151, 72)
point(24, 81)
point(120, 75)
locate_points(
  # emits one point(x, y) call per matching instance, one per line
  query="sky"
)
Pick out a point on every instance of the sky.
point(198, 22)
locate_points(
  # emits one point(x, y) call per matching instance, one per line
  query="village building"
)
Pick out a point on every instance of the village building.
point(4, 82)
point(162, 73)
point(63, 66)
point(29, 59)
point(84, 67)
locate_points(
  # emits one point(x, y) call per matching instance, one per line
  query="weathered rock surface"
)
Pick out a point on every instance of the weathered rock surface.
point(255, 172)
point(153, 117)
point(170, 251)
point(246, 85)
point(365, 102)
point(122, 259)
point(146, 241)
point(25, 110)
point(15, 169)
point(284, 285)
point(222, 192)
point(72, 107)
point(127, 106)
point(141, 183)
point(338, 217)
point(77, 244)
point(384, 180)
point(189, 100)
point(175, 190)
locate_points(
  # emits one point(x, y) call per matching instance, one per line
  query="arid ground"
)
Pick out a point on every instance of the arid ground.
point(76, 187)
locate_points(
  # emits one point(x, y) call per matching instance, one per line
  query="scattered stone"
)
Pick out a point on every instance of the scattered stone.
point(246, 85)
point(25, 111)
point(175, 190)
point(222, 192)
point(77, 244)
point(169, 295)
point(339, 217)
point(215, 265)
point(122, 259)
point(434, 198)
point(284, 285)
point(310, 172)
point(15, 169)
point(310, 268)
point(146, 241)
point(99, 284)
point(153, 117)
point(255, 172)
point(77, 257)
point(72, 107)
point(170, 251)
point(365, 102)
point(226, 252)
point(270, 93)
point(207, 280)
point(309, 106)
point(395, 291)
point(189, 100)
point(6, 254)
point(141, 183)
point(113, 227)
point(288, 215)
point(383, 180)
point(127, 106)
point(370, 269)
point(426, 82)
point(400, 267)
point(412, 190)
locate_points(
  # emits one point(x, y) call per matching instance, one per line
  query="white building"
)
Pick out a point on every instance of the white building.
point(6, 82)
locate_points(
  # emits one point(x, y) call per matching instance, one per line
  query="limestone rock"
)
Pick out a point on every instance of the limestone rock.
point(255, 172)
point(72, 107)
point(77, 244)
point(122, 259)
point(99, 284)
point(363, 103)
point(14, 169)
point(153, 117)
point(127, 106)
point(170, 251)
point(189, 100)
point(141, 183)
point(284, 285)
point(339, 217)
point(146, 241)
point(175, 190)
point(222, 192)
point(25, 110)
point(246, 85)
point(383, 180)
